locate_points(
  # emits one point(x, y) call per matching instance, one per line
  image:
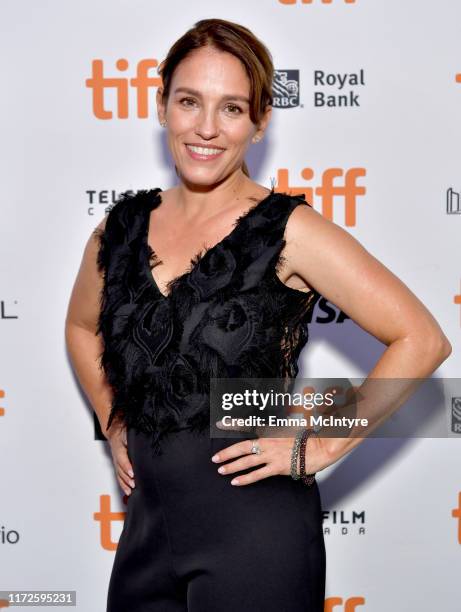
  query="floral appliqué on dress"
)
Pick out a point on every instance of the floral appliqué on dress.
point(229, 315)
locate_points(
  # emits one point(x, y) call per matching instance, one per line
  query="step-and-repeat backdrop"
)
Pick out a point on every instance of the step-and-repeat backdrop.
point(366, 123)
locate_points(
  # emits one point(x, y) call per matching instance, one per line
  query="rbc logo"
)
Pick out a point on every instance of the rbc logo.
point(285, 88)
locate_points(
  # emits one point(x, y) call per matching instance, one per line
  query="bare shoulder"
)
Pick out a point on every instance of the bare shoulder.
point(305, 218)
point(312, 241)
point(300, 224)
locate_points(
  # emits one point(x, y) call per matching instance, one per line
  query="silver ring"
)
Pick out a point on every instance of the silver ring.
point(255, 449)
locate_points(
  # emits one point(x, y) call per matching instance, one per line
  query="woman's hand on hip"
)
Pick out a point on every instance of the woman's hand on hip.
point(117, 439)
point(274, 459)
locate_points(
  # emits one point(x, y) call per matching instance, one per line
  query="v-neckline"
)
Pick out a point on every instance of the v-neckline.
point(150, 253)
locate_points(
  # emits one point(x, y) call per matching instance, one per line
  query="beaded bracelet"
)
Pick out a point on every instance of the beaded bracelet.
point(308, 479)
point(294, 456)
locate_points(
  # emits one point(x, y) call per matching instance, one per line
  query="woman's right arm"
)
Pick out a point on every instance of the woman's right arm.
point(85, 348)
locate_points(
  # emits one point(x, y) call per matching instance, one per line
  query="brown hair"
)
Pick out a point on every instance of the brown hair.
point(237, 40)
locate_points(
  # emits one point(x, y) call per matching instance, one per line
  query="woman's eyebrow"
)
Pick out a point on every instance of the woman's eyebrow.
point(195, 92)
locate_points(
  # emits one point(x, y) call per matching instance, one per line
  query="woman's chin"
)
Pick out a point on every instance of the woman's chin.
point(205, 178)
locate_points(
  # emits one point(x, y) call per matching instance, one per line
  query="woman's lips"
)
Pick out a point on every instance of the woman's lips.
point(204, 153)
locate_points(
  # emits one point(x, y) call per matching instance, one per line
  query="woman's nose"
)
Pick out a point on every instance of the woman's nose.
point(207, 125)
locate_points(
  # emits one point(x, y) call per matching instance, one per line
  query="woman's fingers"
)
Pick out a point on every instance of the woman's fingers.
point(275, 457)
point(126, 479)
point(123, 486)
point(125, 463)
point(122, 464)
point(253, 476)
point(243, 463)
point(234, 450)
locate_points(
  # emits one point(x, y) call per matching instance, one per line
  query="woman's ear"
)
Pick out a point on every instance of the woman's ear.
point(262, 126)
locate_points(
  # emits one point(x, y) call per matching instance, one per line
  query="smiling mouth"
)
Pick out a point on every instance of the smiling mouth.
point(204, 152)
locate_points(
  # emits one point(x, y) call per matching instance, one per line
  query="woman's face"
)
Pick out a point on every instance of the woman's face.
point(208, 116)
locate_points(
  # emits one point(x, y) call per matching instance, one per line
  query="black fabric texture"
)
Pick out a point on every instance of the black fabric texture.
point(228, 315)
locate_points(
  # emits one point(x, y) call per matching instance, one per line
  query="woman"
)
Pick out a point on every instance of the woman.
point(193, 284)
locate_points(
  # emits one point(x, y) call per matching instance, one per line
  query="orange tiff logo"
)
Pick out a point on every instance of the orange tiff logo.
point(335, 183)
point(99, 84)
point(346, 605)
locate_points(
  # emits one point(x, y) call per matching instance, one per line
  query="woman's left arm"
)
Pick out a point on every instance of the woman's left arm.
point(329, 259)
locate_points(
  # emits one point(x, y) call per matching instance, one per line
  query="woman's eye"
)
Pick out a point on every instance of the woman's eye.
point(235, 110)
point(187, 100)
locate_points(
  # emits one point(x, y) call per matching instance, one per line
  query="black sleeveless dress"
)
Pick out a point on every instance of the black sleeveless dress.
point(191, 541)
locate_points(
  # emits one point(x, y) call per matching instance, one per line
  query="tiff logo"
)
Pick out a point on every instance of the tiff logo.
point(329, 189)
point(141, 83)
